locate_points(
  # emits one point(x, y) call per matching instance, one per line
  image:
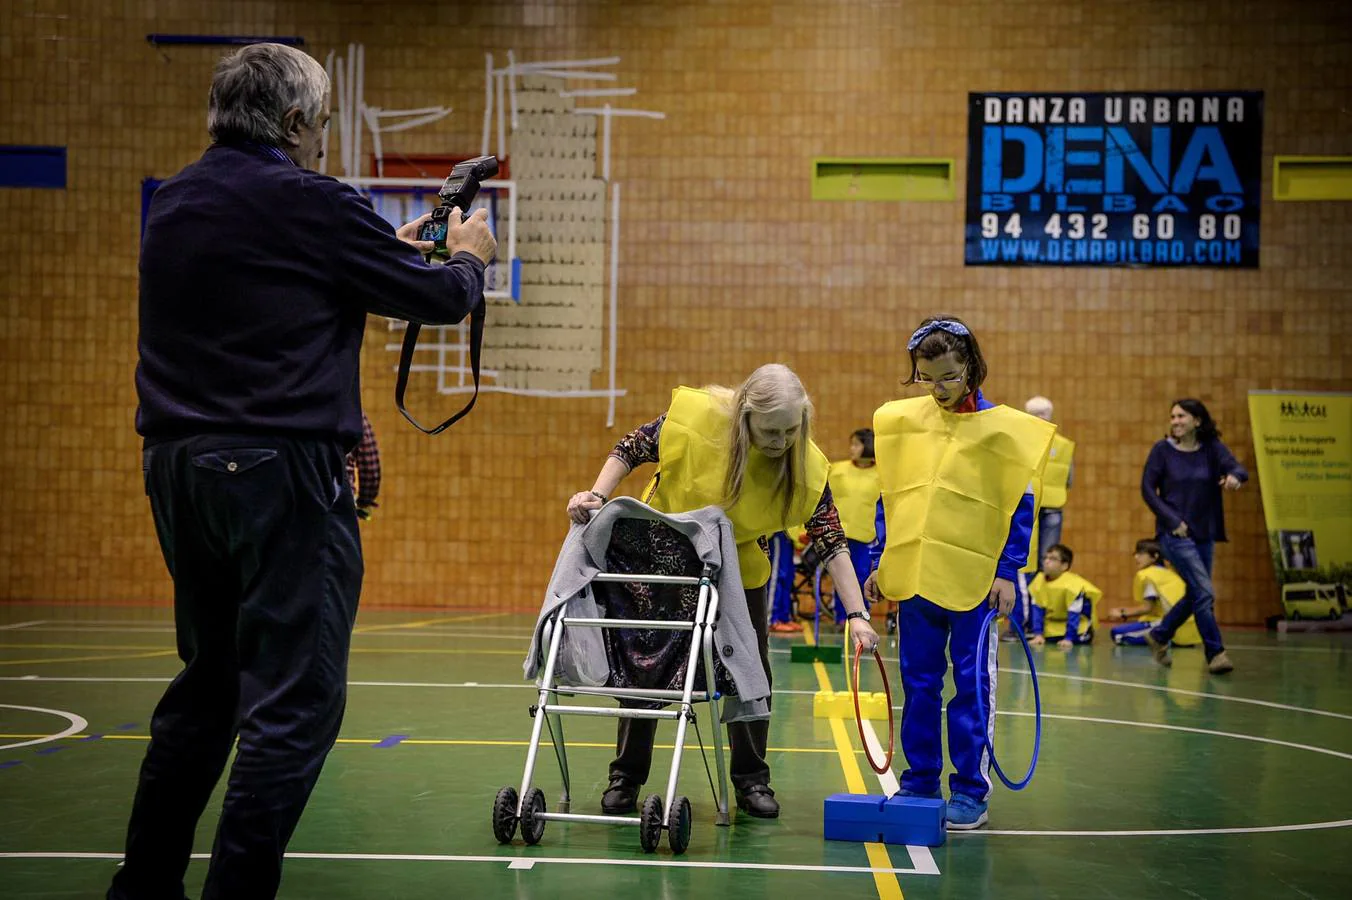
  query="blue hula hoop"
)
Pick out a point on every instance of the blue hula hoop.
point(982, 648)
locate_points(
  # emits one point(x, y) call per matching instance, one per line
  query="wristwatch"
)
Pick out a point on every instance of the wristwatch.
point(862, 614)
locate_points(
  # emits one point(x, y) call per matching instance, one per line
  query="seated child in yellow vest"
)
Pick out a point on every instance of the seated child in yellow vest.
point(1155, 589)
point(1064, 604)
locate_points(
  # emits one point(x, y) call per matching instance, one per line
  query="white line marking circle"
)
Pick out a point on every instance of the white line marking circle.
point(1176, 832)
point(77, 724)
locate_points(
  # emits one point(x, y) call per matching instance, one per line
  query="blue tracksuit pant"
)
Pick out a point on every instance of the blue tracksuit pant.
point(926, 630)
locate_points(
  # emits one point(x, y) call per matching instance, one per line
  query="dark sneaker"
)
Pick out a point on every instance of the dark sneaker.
point(620, 797)
point(759, 801)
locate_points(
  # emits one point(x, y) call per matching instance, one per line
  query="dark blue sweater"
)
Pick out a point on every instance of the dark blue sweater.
point(256, 278)
point(1184, 486)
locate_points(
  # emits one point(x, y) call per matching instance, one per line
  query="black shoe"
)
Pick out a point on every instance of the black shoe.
point(759, 801)
point(620, 797)
point(891, 623)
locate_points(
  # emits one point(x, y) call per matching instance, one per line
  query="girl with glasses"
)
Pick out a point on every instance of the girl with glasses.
point(953, 528)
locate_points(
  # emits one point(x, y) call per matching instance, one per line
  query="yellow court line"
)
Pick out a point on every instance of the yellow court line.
point(433, 742)
point(83, 646)
point(440, 651)
point(878, 857)
point(423, 623)
point(71, 659)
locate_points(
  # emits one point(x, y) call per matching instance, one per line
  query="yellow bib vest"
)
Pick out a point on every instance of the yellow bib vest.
point(1056, 477)
point(1169, 589)
point(856, 493)
point(950, 484)
point(1056, 597)
point(1051, 489)
point(692, 461)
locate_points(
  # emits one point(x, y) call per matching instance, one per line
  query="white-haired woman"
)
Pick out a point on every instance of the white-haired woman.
point(749, 451)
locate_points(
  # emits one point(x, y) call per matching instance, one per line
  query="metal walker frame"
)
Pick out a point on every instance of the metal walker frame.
point(527, 808)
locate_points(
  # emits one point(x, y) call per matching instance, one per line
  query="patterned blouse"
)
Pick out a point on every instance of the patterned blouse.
point(363, 466)
point(823, 529)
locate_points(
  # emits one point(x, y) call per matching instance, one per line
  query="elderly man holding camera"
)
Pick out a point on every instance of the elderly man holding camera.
point(256, 277)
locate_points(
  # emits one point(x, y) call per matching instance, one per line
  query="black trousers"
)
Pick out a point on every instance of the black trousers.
point(746, 740)
point(260, 537)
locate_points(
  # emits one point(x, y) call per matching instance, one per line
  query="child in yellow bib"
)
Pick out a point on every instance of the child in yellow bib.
point(854, 485)
point(953, 526)
point(749, 451)
point(1155, 589)
point(1065, 605)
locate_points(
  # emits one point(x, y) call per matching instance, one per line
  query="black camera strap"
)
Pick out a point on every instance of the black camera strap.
point(476, 342)
point(457, 192)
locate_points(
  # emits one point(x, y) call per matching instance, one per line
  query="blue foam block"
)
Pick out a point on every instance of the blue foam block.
point(870, 817)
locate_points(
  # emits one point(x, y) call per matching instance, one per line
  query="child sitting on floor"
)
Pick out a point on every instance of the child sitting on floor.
point(1155, 589)
point(1064, 604)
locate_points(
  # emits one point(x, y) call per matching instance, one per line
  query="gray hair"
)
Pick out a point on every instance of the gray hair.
point(1039, 406)
point(253, 88)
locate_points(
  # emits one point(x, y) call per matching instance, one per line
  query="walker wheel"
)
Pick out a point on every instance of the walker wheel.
point(650, 823)
point(678, 833)
point(504, 815)
point(533, 827)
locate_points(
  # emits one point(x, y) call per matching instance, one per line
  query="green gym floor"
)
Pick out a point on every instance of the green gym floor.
point(1152, 783)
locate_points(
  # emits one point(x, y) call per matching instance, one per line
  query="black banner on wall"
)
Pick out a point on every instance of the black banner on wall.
point(1121, 179)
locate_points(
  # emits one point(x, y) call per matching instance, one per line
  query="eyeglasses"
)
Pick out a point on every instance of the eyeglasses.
point(945, 383)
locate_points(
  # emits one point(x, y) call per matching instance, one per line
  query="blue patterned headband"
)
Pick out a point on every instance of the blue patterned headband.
point(924, 331)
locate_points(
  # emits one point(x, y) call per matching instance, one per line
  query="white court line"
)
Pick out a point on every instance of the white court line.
point(888, 779)
point(922, 866)
point(77, 725)
point(1128, 684)
point(88, 680)
point(17, 625)
point(871, 735)
point(1173, 832)
point(1150, 687)
point(1162, 689)
point(1170, 690)
point(921, 859)
point(1179, 832)
point(1163, 727)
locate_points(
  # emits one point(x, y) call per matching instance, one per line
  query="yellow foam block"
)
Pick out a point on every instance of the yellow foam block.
point(840, 705)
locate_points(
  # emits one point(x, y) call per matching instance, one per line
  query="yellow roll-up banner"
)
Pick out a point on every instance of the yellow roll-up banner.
point(1303, 442)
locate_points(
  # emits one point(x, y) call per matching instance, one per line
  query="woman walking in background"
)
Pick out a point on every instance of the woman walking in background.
point(1182, 483)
